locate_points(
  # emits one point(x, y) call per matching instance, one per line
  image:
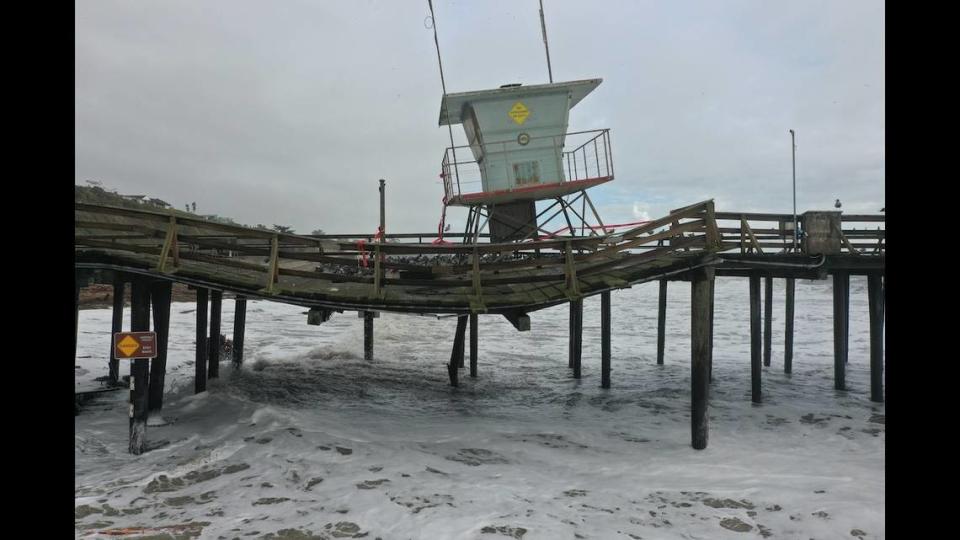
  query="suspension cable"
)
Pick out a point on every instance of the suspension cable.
point(443, 84)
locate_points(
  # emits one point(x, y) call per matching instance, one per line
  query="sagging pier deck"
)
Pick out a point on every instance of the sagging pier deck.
point(336, 273)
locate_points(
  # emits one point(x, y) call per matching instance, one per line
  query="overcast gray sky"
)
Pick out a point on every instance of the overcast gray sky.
point(288, 112)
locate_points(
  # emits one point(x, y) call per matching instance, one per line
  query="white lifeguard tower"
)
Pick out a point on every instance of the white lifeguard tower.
point(519, 151)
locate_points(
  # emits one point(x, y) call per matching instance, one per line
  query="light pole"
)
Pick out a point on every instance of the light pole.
point(793, 146)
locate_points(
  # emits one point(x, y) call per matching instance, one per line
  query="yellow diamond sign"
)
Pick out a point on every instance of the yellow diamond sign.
point(519, 113)
point(128, 345)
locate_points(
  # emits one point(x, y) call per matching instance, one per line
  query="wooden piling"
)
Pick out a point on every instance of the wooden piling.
point(605, 339)
point(76, 311)
point(453, 368)
point(213, 341)
point(160, 296)
point(767, 320)
point(576, 336)
point(474, 323)
point(368, 336)
point(755, 351)
point(462, 352)
point(662, 321)
point(200, 373)
point(841, 293)
point(239, 328)
point(713, 283)
point(788, 327)
point(846, 316)
point(119, 290)
point(139, 369)
point(700, 337)
point(875, 293)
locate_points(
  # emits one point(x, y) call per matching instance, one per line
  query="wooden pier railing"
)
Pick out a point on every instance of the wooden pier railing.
point(859, 234)
point(331, 269)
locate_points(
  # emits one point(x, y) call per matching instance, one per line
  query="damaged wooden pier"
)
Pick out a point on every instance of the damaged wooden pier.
point(369, 274)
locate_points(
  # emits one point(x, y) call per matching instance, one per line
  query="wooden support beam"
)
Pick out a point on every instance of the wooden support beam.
point(213, 341)
point(570, 272)
point(875, 293)
point(755, 351)
point(713, 283)
point(318, 316)
point(160, 296)
point(700, 336)
point(139, 369)
point(169, 243)
point(77, 281)
point(788, 326)
point(368, 336)
point(662, 321)
point(119, 286)
point(605, 339)
point(841, 293)
point(846, 322)
point(239, 328)
point(519, 320)
point(461, 352)
point(200, 366)
point(453, 368)
point(474, 323)
point(576, 336)
point(767, 320)
point(273, 271)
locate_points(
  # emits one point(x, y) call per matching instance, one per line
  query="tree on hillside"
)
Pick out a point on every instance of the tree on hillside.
point(283, 229)
point(318, 232)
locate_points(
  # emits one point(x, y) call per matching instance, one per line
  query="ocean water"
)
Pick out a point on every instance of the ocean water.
point(308, 440)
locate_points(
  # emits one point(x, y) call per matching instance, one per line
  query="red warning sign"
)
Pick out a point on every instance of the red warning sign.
point(135, 345)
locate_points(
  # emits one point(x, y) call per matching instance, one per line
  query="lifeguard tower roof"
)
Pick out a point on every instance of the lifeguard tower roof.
point(455, 102)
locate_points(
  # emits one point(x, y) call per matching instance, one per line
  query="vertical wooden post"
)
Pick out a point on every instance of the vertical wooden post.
point(710, 327)
point(846, 321)
point(576, 335)
point(453, 368)
point(700, 337)
point(140, 368)
point(200, 373)
point(76, 311)
point(474, 323)
point(605, 339)
point(767, 320)
point(239, 328)
point(461, 353)
point(788, 327)
point(570, 331)
point(841, 292)
point(119, 286)
point(368, 336)
point(213, 342)
point(875, 291)
point(662, 321)
point(755, 337)
point(160, 295)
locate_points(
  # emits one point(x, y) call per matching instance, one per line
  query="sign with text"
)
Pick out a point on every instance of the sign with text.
point(128, 345)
